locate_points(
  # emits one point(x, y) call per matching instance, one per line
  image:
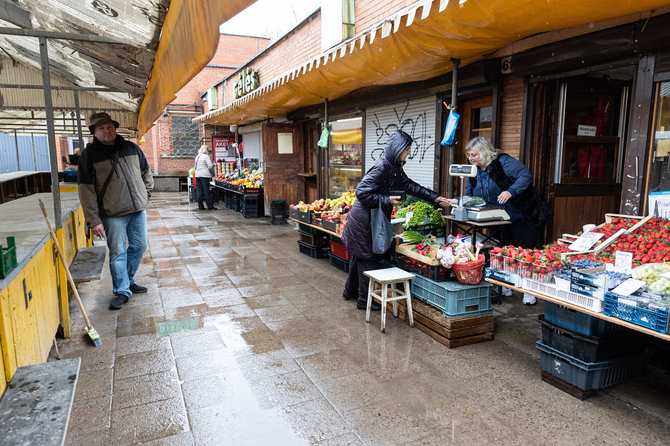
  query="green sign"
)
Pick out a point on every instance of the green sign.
point(246, 83)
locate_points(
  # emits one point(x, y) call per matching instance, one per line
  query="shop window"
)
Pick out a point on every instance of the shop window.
point(659, 172)
point(185, 137)
point(344, 160)
point(590, 132)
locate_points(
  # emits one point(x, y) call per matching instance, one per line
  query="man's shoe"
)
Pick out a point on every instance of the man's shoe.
point(374, 307)
point(347, 295)
point(119, 301)
point(137, 289)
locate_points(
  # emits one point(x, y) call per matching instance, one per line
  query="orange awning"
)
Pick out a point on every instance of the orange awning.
point(188, 42)
point(417, 44)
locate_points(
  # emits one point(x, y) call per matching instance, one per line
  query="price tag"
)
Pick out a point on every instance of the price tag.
point(585, 241)
point(623, 262)
point(628, 287)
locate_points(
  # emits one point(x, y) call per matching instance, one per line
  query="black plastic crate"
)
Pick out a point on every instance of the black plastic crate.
point(589, 375)
point(318, 240)
point(589, 348)
point(278, 212)
point(436, 230)
point(312, 251)
point(339, 263)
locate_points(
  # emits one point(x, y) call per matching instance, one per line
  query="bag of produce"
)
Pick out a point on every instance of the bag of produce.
point(650, 272)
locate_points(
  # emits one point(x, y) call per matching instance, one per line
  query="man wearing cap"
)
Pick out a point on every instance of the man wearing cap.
point(115, 184)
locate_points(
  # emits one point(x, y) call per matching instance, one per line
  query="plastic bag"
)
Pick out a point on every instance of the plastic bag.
point(450, 129)
point(323, 140)
point(382, 230)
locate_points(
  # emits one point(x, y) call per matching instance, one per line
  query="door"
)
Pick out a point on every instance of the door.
point(585, 148)
point(476, 120)
point(284, 155)
point(658, 179)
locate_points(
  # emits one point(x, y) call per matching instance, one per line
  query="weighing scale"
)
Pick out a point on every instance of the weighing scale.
point(473, 213)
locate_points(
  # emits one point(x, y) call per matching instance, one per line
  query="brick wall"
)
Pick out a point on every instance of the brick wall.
point(304, 43)
point(371, 12)
point(233, 50)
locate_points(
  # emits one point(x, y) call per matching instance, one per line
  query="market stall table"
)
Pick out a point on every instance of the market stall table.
point(614, 320)
point(477, 227)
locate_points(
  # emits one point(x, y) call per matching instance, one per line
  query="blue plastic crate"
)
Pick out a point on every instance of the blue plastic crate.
point(588, 375)
point(579, 322)
point(656, 320)
point(453, 298)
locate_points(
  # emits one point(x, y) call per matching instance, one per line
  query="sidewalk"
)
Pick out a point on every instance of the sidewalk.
point(243, 340)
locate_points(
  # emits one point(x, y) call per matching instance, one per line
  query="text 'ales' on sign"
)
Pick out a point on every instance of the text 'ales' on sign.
point(585, 241)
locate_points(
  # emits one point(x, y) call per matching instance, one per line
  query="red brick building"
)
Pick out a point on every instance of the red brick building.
point(173, 141)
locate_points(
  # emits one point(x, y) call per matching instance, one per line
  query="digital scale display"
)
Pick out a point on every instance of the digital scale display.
point(463, 170)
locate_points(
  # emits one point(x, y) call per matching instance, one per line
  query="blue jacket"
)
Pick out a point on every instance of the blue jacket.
point(487, 189)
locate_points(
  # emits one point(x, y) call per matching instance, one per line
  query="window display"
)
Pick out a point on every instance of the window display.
point(344, 161)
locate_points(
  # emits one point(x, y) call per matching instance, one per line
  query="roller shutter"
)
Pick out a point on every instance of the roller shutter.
point(417, 118)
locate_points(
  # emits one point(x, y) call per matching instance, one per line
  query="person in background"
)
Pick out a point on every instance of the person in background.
point(502, 181)
point(74, 158)
point(203, 177)
point(385, 175)
point(115, 184)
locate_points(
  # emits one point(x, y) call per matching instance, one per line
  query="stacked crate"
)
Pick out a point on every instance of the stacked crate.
point(580, 353)
point(251, 206)
point(339, 256)
point(313, 242)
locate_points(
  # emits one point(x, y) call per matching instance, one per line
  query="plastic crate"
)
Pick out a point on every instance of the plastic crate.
point(453, 298)
point(579, 322)
point(339, 250)
point(589, 348)
point(588, 375)
point(339, 263)
point(308, 229)
point(436, 230)
point(581, 300)
point(437, 273)
point(655, 319)
point(236, 203)
point(330, 225)
point(8, 257)
point(312, 251)
point(319, 240)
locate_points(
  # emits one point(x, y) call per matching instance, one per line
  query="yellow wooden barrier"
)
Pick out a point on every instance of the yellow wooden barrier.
point(36, 301)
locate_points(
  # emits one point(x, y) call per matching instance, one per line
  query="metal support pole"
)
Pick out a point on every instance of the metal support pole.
point(18, 160)
point(53, 158)
point(323, 158)
point(76, 108)
point(454, 101)
point(32, 138)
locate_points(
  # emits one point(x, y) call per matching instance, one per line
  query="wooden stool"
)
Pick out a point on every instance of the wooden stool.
point(387, 279)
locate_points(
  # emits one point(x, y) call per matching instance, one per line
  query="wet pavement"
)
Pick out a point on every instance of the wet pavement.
point(243, 340)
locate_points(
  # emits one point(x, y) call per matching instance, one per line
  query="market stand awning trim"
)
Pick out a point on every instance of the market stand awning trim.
point(417, 44)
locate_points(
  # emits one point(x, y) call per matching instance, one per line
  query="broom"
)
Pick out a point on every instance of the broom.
point(95, 337)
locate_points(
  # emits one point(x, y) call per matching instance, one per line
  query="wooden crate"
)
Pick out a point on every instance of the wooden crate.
point(452, 332)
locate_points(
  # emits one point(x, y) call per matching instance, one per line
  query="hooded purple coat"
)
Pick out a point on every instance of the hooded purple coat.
point(384, 176)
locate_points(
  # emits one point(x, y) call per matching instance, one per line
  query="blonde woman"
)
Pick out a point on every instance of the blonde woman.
point(203, 177)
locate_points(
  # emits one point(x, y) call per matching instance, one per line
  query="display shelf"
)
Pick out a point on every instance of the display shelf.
point(320, 228)
point(614, 320)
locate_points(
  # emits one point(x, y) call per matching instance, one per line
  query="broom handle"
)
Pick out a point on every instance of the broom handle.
point(62, 259)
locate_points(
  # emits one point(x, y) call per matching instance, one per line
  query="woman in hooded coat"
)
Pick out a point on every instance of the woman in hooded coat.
point(384, 176)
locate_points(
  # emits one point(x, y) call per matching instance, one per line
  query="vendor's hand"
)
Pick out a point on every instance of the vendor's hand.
point(99, 230)
point(504, 197)
point(444, 202)
point(395, 199)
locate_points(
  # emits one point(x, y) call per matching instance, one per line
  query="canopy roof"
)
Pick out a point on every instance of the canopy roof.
point(121, 56)
point(417, 44)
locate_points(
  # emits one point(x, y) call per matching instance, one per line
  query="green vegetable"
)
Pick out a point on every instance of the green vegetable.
point(421, 211)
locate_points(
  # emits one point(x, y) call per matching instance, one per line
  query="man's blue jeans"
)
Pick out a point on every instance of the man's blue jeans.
point(127, 241)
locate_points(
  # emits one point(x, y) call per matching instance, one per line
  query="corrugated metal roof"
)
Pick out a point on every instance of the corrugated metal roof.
point(143, 71)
